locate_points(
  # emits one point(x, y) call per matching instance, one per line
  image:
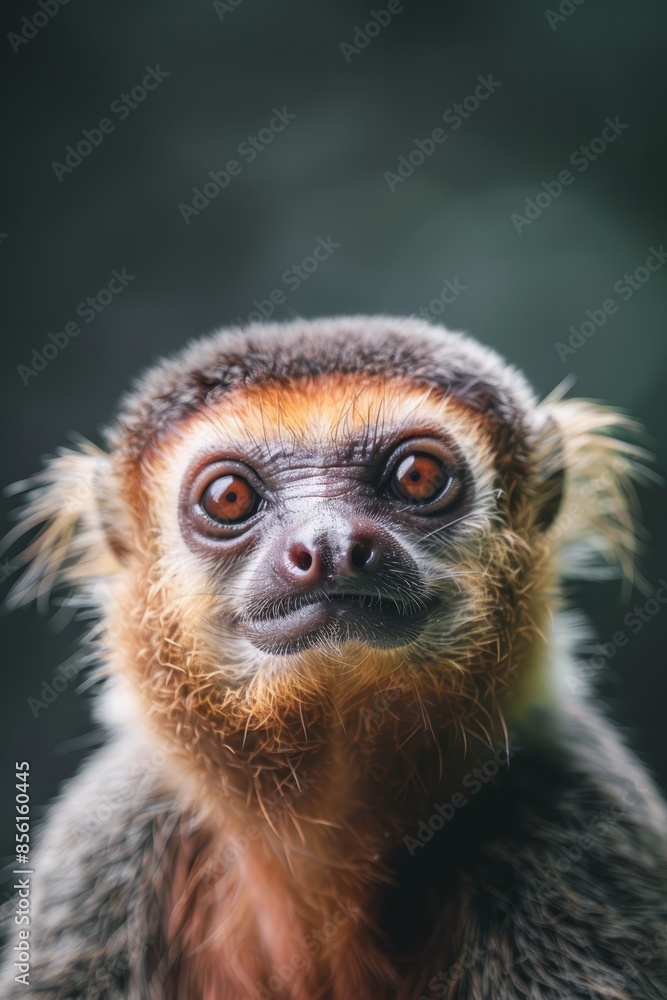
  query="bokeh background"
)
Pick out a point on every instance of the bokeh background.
point(229, 64)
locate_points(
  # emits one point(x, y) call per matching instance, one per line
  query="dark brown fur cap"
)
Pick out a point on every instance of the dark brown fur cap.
point(375, 346)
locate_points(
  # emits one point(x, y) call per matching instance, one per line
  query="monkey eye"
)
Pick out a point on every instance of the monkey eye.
point(427, 480)
point(419, 478)
point(230, 499)
point(221, 499)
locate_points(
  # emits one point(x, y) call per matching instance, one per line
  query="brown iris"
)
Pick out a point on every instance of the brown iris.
point(420, 478)
point(230, 499)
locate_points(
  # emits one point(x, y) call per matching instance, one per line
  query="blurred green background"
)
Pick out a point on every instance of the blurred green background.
point(560, 76)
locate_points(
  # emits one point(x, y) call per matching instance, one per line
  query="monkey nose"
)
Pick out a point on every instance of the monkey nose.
point(324, 560)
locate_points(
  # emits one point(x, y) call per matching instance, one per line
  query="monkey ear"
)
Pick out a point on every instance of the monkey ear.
point(550, 463)
point(71, 546)
point(584, 447)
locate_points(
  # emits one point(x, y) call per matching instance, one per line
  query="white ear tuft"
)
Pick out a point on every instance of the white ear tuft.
point(71, 545)
point(596, 528)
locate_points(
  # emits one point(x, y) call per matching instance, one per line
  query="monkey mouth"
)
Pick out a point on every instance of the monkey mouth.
point(335, 617)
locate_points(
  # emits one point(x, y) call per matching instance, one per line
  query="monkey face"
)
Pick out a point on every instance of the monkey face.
point(329, 511)
point(326, 528)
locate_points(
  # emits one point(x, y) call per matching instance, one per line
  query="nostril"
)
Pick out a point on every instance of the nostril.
point(304, 561)
point(301, 558)
point(362, 554)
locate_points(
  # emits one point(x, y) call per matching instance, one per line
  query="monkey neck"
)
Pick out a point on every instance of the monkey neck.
point(304, 802)
point(326, 793)
point(302, 838)
point(337, 760)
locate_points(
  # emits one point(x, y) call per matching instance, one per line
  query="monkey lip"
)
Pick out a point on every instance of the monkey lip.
point(376, 621)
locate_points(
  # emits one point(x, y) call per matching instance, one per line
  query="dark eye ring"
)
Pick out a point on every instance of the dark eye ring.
point(222, 499)
point(425, 476)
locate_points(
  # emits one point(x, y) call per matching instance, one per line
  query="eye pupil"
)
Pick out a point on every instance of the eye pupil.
point(231, 497)
point(415, 476)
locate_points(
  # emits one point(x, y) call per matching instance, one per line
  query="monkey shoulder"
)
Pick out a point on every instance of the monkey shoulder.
point(561, 886)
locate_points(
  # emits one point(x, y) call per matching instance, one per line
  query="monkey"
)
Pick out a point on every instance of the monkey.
point(344, 756)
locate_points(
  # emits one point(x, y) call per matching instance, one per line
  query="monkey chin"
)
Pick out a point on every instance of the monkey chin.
point(380, 623)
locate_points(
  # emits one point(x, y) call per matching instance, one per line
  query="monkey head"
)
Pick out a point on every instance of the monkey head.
point(299, 515)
